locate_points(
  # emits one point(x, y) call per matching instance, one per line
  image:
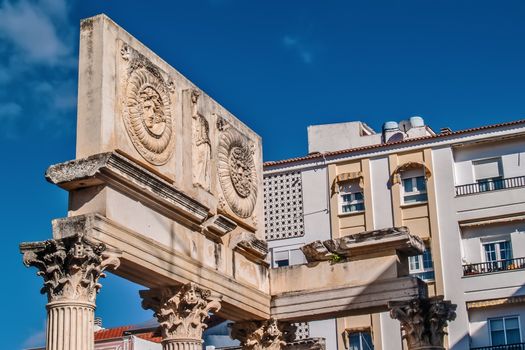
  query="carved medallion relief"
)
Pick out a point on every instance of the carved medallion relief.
point(237, 172)
point(147, 108)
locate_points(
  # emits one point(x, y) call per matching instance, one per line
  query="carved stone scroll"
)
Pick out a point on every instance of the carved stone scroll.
point(237, 173)
point(181, 312)
point(263, 335)
point(423, 321)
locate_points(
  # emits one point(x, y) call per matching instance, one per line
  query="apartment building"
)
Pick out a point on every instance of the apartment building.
point(463, 192)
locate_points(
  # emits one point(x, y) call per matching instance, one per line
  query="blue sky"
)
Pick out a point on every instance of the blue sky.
point(278, 65)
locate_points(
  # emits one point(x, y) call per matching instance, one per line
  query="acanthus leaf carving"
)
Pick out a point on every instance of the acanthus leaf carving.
point(71, 267)
point(263, 335)
point(181, 311)
point(423, 320)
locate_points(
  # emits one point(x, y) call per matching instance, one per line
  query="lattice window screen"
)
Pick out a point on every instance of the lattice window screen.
point(283, 206)
point(303, 330)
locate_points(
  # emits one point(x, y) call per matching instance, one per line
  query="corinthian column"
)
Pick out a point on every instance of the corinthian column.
point(423, 321)
point(71, 268)
point(181, 312)
point(263, 335)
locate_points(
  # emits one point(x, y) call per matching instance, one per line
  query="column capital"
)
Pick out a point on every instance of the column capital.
point(423, 320)
point(181, 310)
point(267, 334)
point(71, 267)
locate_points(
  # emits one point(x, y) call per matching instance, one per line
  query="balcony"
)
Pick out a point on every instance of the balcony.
point(518, 346)
point(493, 266)
point(490, 185)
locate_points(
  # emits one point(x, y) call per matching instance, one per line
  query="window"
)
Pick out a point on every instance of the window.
point(421, 266)
point(495, 251)
point(287, 257)
point(488, 174)
point(281, 258)
point(498, 255)
point(360, 341)
point(415, 190)
point(505, 330)
point(351, 197)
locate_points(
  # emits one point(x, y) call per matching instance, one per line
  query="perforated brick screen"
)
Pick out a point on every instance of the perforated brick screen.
point(283, 206)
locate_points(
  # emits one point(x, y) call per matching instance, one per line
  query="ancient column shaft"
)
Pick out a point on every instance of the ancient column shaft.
point(263, 335)
point(423, 321)
point(71, 268)
point(70, 326)
point(181, 312)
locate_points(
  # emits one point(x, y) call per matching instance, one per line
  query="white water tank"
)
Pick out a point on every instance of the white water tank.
point(390, 126)
point(417, 121)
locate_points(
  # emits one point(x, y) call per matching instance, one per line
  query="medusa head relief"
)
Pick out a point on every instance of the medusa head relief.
point(147, 109)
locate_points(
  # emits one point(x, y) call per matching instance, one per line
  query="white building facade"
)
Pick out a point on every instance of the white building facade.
point(463, 192)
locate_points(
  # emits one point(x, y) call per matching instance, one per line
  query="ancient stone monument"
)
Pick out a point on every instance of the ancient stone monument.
point(166, 189)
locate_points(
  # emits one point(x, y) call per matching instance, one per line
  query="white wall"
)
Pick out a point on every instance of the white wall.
point(339, 136)
point(473, 238)
point(325, 329)
point(450, 244)
point(390, 332)
point(479, 329)
point(512, 153)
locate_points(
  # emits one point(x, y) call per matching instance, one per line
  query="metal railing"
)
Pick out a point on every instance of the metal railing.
point(517, 346)
point(494, 266)
point(490, 185)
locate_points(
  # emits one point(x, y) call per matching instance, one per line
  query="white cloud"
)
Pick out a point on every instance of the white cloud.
point(37, 63)
point(36, 340)
point(28, 27)
point(297, 46)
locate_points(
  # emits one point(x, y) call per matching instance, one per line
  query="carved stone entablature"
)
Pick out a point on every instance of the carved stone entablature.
point(394, 238)
point(263, 335)
point(218, 225)
point(249, 245)
point(146, 108)
point(237, 172)
point(116, 169)
point(70, 267)
point(316, 251)
point(307, 344)
point(181, 311)
point(423, 321)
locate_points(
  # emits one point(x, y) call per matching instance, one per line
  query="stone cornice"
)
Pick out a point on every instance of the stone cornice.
point(369, 242)
point(117, 170)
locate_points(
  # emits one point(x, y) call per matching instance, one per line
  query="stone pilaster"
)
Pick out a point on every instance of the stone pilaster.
point(181, 312)
point(263, 335)
point(71, 268)
point(423, 321)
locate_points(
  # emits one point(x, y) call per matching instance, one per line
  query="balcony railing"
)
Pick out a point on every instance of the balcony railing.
point(493, 266)
point(518, 346)
point(490, 185)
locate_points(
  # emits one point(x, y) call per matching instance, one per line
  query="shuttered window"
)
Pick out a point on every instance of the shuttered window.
point(487, 168)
